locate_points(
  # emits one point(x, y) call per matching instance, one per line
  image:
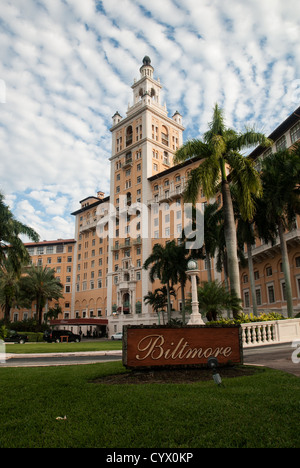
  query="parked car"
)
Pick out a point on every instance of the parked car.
point(60, 335)
point(117, 336)
point(14, 337)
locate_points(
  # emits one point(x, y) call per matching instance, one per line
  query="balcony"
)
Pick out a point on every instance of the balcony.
point(126, 244)
point(168, 194)
point(127, 163)
point(265, 251)
point(88, 225)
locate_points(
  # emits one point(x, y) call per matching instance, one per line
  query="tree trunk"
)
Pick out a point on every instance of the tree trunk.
point(208, 263)
point(7, 311)
point(286, 270)
point(183, 303)
point(251, 275)
point(230, 239)
point(169, 303)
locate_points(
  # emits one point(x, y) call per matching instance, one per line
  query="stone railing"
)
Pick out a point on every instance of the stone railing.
point(270, 332)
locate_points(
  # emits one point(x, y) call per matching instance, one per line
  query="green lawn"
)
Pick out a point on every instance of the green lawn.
point(261, 410)
point(36, 348)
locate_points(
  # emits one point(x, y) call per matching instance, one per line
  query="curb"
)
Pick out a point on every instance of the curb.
point(79, 353)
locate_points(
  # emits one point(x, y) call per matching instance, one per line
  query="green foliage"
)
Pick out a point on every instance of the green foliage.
point(213, 298)
point(40, 284)
point(3, 332)
point(248, 318)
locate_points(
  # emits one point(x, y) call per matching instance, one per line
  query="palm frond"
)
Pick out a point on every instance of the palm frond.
point(191, 149)
point(246, 182)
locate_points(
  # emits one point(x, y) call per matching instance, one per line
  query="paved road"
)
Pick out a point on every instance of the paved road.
point(275, 356)
point(62, 359)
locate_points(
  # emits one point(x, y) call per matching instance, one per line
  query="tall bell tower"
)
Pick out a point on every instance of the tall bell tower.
point(143, 145)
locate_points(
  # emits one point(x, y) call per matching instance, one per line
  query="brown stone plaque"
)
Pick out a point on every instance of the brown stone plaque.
point(151, 346)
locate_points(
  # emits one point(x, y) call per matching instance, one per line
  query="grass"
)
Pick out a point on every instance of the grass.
point(261, 410)
point(37, 348)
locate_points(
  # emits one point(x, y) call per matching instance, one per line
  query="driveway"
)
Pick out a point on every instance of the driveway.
point(279, 357)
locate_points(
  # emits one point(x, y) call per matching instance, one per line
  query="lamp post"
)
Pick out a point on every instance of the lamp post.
point(195, 318)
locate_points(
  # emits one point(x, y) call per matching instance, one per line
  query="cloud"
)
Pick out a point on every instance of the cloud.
point(68, 65)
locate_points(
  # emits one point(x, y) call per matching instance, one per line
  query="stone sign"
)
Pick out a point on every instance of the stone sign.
point(151, 346)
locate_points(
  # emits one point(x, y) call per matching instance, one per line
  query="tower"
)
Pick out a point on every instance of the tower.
point(143, 145)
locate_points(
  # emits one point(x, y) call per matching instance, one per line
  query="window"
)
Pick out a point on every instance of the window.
point(155, 167)
point(283, 291)
point(281, 143)
point(165, 136)
point(298, 262)
point(269, 271)
point(129, 135)
point(295, 133)
point(166, 158)
point(256, 275)
point(271, 294)
point(258, 296)
point(246, 299)
point(138, 180)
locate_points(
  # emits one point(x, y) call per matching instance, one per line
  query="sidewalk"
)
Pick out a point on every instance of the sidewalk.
point(76, 353)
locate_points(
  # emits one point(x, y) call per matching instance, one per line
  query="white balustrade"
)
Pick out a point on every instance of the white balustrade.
point(270, 332)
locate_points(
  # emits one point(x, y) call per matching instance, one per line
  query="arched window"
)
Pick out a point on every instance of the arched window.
point(129, 135)
point(164, 135)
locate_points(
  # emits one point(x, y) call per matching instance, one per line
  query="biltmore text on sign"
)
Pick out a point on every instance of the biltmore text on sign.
point(149, 346)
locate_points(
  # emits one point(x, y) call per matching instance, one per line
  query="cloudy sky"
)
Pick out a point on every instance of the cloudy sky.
point(68, 65)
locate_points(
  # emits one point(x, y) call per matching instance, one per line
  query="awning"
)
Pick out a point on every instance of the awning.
point(79, 321)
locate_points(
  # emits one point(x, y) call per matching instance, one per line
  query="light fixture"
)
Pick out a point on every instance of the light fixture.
point(192, 265)
point(213, 363)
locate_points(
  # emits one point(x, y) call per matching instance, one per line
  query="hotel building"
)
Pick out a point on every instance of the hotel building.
point(115, 234)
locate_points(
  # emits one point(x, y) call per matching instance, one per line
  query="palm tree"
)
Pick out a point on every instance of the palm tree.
point(162, 268)
point(212, 220)
point(213, 298)
point(10, 231)
point(40, 284)
point(221, 149)
point(180, 261)
point(280, 204)
point(9, 286)
point(158, 300)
